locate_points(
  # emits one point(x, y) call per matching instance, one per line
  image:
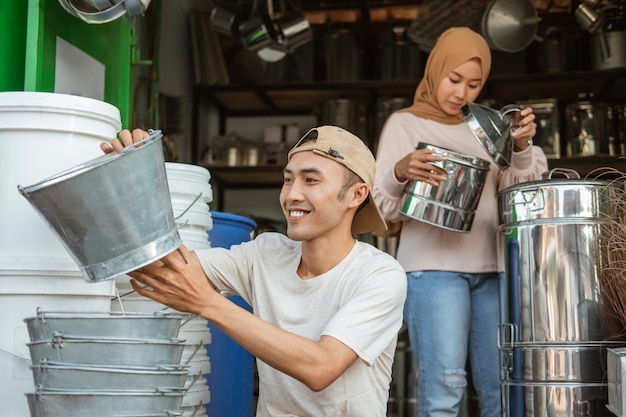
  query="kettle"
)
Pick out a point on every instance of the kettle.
point(492, 128)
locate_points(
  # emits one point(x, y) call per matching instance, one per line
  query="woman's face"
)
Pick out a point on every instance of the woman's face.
point(461, 85)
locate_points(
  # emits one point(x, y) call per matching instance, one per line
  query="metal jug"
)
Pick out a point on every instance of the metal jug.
point(492, 128)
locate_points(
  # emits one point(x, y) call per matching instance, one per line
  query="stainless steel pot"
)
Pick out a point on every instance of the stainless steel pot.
point(45, 403)
point(551, 232)
point(58, 375)
point(121, 352)
point(159, 325)
point(452, 204)
point(554, 349)
point(586, 128)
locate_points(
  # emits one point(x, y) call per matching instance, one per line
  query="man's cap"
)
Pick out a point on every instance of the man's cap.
point(350, 151)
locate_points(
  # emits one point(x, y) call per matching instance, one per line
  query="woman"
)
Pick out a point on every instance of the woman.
point(452, 306)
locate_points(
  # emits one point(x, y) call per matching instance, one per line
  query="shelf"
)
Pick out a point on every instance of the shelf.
point(272, 175)
point(247, 176)
point(303, 98)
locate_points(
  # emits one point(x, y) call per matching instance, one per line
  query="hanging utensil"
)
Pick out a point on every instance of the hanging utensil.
point(510, 25)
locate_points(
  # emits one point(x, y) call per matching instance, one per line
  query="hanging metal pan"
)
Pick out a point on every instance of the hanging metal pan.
point(510, 25)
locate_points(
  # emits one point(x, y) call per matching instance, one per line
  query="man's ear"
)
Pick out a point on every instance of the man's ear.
point(361, 191)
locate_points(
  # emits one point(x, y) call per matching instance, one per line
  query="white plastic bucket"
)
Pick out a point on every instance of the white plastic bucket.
point(41, 134)
point(21, 292)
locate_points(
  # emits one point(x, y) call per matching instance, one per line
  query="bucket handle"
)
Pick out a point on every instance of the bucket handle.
point(566, 172)
point(58, 338)
point(504, 330)
point(188, 208)
point(196, 349)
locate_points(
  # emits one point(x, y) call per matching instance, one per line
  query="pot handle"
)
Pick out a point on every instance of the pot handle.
point(566, 172)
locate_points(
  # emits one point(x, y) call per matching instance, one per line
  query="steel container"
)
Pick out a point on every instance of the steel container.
point(159, 325)
point(62, 403)
point(69, 376)
point(120, 352)
point(553, 343)
point(452, 204)
point(113, 213)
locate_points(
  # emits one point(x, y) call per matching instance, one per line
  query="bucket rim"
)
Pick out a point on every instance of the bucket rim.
point(155, 136)
point(473, 161)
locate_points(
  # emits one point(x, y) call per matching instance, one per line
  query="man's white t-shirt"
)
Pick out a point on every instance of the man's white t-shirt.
point(359, 302)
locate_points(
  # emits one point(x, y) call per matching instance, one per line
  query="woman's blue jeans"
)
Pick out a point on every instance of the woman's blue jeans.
point(450, 316)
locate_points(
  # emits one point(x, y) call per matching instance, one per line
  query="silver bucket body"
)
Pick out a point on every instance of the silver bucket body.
point(553, 339)
point(98, 404)
point(68, 376)
point(118, 352)
point(114, 213)
point(453, 203)
point(159, 325)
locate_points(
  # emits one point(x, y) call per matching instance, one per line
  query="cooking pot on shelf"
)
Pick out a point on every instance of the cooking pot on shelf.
point(452, 204)
point(586, 128)
point(608, 44)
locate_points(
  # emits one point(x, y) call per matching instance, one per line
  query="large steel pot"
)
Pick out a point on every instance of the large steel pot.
point(159, 325)
point(554, 350)
point(452, 204)
point(121, 352)
point(68, 376)
point(551, 232)
point(66, 403)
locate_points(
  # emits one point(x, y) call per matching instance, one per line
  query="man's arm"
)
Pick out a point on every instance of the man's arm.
point(179, 282)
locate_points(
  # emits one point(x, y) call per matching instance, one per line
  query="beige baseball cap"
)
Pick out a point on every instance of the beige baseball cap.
point(350, 151)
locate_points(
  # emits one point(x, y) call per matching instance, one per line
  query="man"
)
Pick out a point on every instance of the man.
point(327, 308)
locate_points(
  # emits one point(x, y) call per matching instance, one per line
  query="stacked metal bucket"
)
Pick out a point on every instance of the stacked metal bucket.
point(190, 193)
point(554, 337)
point(95, 364)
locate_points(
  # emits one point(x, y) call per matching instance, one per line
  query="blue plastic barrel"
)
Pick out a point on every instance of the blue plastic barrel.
point(231, 380)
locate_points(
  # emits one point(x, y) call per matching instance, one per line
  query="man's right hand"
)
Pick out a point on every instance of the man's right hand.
point(125, 138)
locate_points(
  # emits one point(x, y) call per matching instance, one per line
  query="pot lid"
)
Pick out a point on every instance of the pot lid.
point(492, 129)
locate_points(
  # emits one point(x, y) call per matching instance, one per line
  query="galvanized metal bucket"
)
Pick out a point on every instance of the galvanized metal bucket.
point(112, 351)
point(68, 403)
point(69, 376)
point(113, 213)
point(453, 203)
point(158, 325)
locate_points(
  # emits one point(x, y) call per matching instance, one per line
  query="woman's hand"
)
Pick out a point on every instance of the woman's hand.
point(126, 138)
point(523, 129)
point(418, 166)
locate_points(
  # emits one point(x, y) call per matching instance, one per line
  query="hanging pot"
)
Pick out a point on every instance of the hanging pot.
point(510, 25)
point(608, 44)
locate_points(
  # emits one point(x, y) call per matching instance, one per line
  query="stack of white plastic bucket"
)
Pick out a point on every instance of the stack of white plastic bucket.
point(41, 134)
point(190, 192)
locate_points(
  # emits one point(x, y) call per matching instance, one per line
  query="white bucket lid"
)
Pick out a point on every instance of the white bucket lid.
point(65, 104)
